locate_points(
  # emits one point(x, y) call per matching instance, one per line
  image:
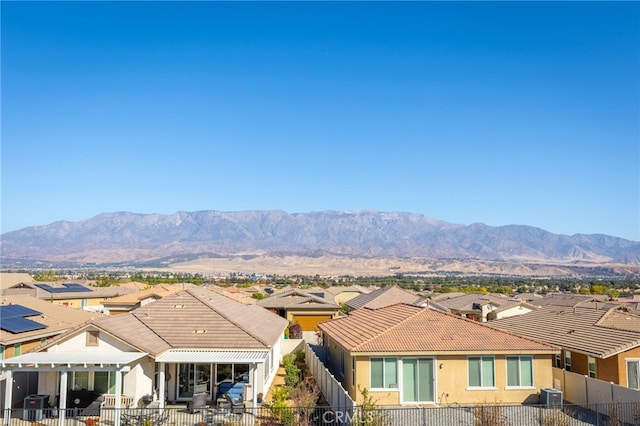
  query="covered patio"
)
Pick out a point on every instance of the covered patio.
point(204, 370)
point(55, 369)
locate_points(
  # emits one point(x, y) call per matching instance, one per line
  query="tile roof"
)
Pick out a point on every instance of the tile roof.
point(404, 328)
point(466, 302)
point(338, 289)
point(94, 292)
point(156, 291)
point(196, 318)
point(57, 318)
point(568, 300)
point(8, 279)
point(385, 296)
point(579, 329)
point(293, 297)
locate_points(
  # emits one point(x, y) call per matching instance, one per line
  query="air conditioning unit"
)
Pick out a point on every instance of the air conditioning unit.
point(551, 397)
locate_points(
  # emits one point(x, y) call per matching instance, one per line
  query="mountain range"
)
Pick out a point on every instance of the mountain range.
point(124, 238)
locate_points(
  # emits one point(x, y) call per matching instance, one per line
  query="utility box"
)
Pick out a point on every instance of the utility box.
point(34, 407)
point(551, 397)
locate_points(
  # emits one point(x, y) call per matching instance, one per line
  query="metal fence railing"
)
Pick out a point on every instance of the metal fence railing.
point(614, 414)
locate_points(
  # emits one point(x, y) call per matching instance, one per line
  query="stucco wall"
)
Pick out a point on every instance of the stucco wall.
point(622, 365)
point(451, 382)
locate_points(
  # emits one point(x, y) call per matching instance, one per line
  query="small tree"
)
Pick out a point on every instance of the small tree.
point(489, 415)
point(368, 413)
point(305, 395)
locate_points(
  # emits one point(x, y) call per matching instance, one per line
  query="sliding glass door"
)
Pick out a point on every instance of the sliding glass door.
point(417, 380)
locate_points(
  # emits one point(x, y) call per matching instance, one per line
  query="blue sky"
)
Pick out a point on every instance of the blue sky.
point(493, 112)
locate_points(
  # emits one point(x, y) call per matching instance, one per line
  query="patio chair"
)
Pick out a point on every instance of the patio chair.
point(237, 406)
point(198, 402)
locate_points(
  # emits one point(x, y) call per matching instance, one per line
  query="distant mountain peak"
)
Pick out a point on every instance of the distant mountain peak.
point(125, 237)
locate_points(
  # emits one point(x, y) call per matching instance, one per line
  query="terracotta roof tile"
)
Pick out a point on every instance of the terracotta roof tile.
point(578, 329)
point(408, 328)
point(386, 296)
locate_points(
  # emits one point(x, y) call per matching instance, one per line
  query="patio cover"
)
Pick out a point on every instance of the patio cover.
point(213, 356)
point(69, 359)
point(64, 361)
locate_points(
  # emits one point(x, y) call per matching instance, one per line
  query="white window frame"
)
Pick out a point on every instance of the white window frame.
point(519, 385)
point(353, 371)
point(592, 361)
point(558, 360)
point(567, 360)
point(627, 362)
point(481, 358)
point(385, 386)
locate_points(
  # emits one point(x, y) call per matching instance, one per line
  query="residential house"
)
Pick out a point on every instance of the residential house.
point(407, 355)
point(188, 342)
point(597, 340)
point(127, 302)
point(483, 307)
point(80, 294)
point(243, 295)
point(570, 299)
point(385, 296)
point(26, 323)
point(632, 302)
point(14, 280)
point(300, 307)
point(343, 294)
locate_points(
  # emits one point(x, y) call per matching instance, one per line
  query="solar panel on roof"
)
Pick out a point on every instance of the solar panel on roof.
point(66, 288)
point(16, 311)
point(76, 287)
point(20, 325)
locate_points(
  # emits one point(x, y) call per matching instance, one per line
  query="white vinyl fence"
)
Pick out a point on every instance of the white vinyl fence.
point(597, 394)
point(331, 388)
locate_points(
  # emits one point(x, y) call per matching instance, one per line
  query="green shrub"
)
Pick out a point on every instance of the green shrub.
point(292, 375)
point(289, 359)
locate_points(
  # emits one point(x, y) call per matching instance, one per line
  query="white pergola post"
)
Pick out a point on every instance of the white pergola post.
point(161, 384)
point(118, 405)
point(8, 387)
point(255, 385)
point(62, 404)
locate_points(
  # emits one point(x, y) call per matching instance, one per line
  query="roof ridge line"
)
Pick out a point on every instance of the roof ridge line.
point(133, 314)
point(419, 309)
point(197, 297)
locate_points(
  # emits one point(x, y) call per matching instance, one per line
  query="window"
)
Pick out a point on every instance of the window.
point(633, 374)
point(567, 360)
point(481, 372)
point(92, 338)
point(267, 365)
point(17, 349)
point(592, 367)
point(384, 373)
point(104, 381)
point(342, 362)
point(558, 360)
point(353, 371)
point(78, 380)
point(519, 371)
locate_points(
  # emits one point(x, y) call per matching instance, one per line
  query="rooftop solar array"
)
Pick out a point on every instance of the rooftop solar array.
point(15, 311)
point(66, 288)
point(12, 319)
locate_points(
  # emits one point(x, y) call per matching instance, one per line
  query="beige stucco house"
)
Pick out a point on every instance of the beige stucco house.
point(598, 340)
point(299, 306)
point(411, 355)
point(188, 342)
